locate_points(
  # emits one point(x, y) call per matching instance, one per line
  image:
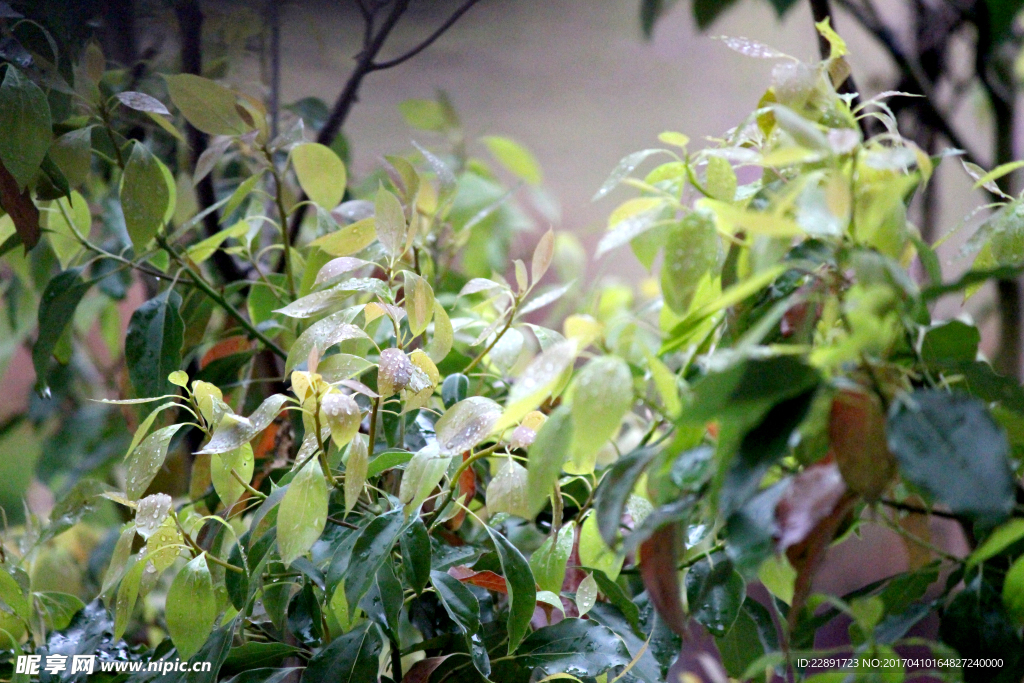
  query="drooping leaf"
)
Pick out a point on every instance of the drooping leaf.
point(303, 512)
point(320, 172)
point(658, 556)
point(615, 489)
point(370, 550)
point(507, 490)
point(145, 196)
point(419, 302)
point(356, 468)
point(152, 347)
point(586, 594)
point(390, 223)
point(56, 309)
point(26, 125)
point(601, 394)
point(949, 445)
point(464, 609)
point(234, 430)
point(191, 607)
point(241, 462)
point(547, 453)
point(522, 591)
point(422, 475)
point(415, 545)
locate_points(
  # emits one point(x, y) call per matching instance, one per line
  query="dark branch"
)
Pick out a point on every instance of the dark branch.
point(884, 35)
point(373, 41)
point(913, 509)
point(456, 15)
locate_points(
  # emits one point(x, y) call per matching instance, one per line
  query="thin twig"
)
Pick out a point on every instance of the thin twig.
point(456, 15)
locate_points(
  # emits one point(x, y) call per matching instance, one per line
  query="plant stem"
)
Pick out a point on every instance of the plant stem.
point(373, 426)
point(201, 283)
point(458, 473)
point(497, 338)
point(396, 660)
point(286, 242)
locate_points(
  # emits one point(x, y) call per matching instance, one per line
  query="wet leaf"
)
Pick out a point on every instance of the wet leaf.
point(152, 347)
point(322, 335)
point(441, 341)
point(303, 512)
point(191, 607)
point(241, 462)
point(352, 657)
point(594, 553)
point(371, 549)
point(575, 646)
point(356, 467)
point(464, 609)
point(514, 157)
point(466, 424)
point(691, 251)
point(140, 101)
point(601, 395)
point(56, 310)
point(419, 302)
point(949, 446)
point(658, 557)
point(151, 513)
point(507, 491)
point(343, 417)
point(543, 376)
point(586, 594)
point(422, 475)
point(715, 593)
point(235, 430)
point(391, 225)
point(522, 591)
point(856, 432)
point(146, 460)
point(548, 562)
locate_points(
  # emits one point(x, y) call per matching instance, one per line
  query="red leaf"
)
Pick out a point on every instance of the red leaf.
point(661, 578)
point(421, 670)
point(808, 515)
point(484, 579)
point(224, 348)
point(19, 205)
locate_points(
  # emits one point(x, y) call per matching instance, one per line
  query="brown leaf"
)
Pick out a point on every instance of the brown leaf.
point(808, 516)
point(467, 489)
point(421, 670)
point(485, 579)
point(919, 526)
point(661, 578)
point(20, 207)
point(224, 348)
point(856, 430)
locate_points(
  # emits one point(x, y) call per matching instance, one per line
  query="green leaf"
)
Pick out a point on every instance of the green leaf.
point(466, 424)
point(58, 608)
point(390, 223)
point(145, 196)
point(1013, 590)
point(320, 172)
point(356, 468)
point(240, 194)
point(127, 594)
point(191, 607)
point(321, 335)
point(547, 453)
point(464, 609)
point(721, 179)
point(349, 239)
point(625, 166)
point(548, 562)
point(56, 310)
point(208, 106)
point(515, 158)
point(601, 395)
point(204, 249)
point(714, 593)
point(441, 341)
point(383, 602)
point(303, 513)
point(13, 596)
point(751, 636)
point(522, 590)
point(948, 445)
point(423, 114)
point(542, 377)
point(146, 460)
point(419, 302)
point(352, 658)
point(387, 460)
point(580, 646)
point(152, 347)
point(595, 553)
point(614, 490)
point(586, 594)
point(998, 541)
point(507, 490)
point(72, 153)
point(415, 544)
point(234, 430)
point(25, 126)
point(241, 461)
point(370, 550)
point(950, 342)
point(691, 250)
point(422, 474)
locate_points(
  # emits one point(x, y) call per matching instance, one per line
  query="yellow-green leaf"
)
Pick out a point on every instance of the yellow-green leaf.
point(191, 607)
point(320, 172)
point(514, 157)
point(208, 106)
point(348, 240)
point(303, 512)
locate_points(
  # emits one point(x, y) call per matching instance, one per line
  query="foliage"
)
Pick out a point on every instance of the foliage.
point(428, 484)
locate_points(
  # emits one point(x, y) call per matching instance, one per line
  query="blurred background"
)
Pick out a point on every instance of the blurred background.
point(581, 83)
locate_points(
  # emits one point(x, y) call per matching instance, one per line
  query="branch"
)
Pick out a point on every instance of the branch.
point(373, 41)
point(822, 11)
point(456, 15)
point(885, 36)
